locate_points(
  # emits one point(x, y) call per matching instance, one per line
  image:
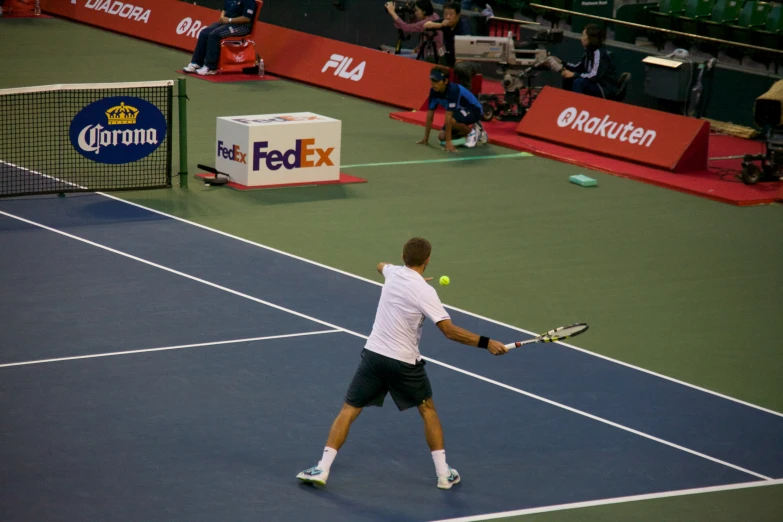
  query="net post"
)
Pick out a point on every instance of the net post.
point(182, 94)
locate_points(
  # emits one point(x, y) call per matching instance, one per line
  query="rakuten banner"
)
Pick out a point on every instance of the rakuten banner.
point(634, 133)
point(300, 56)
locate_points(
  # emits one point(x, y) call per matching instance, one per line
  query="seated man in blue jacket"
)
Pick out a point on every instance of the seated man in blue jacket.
point(235, 20)
point(594, 74)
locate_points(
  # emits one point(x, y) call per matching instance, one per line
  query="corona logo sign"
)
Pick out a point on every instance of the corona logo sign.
point(341, 65)
point(122, 115)
point(118, 130)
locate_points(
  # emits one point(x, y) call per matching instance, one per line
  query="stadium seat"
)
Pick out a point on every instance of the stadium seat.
point(724, 12)
point(667, 10)
point(753, 16)
point(553, 16)
point(240, 43)
point(695, 10)
point(771, 35)
point(622, 81)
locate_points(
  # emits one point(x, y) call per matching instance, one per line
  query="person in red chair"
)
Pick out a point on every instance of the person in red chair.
point(235, 20)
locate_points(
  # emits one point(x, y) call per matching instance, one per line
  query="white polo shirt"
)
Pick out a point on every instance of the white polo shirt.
point(406, 299)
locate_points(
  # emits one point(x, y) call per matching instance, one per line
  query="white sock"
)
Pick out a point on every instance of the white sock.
point(441, 468)
point(326, 461)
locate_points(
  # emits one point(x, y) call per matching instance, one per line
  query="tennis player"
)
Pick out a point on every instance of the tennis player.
point(391, 362)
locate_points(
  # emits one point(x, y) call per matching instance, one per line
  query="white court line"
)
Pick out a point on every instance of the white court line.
point(616, 500)
point(165, 348)
point(543, 399)
point(512, 327)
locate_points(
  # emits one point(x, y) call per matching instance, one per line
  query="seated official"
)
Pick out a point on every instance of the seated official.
point(594, 75)
point(463, 112)
point(424, 13)
point(235, 20)
point(452, 25)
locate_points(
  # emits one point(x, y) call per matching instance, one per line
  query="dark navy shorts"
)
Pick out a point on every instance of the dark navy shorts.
point(378, 375)
point(468, 115)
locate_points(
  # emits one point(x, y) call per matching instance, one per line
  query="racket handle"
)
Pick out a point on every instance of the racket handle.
point(513, 345)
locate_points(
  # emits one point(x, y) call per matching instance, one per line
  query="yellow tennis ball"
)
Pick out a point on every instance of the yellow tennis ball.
point(444, 280)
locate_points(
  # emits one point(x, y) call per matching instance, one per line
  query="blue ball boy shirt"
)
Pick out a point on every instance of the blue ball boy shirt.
point(455, 97)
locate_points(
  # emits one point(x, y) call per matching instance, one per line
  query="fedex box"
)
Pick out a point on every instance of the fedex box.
point(278, 149)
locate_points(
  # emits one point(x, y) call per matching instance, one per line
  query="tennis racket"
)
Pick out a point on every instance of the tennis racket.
point(217, 179)
point(558, 334)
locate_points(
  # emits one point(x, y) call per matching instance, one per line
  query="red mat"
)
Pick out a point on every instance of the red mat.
point(718, 182)
point(345, 179)
point(230, 78)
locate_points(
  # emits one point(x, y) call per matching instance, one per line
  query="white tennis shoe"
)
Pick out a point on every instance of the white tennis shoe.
point(206, 71)
point(483, 137)
point(314, 475)
point(192, 67)
point(446, 481)
point(472, 138)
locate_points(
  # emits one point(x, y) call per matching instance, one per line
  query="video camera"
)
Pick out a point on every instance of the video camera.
point(505, 51)
point(405, 9)
point(518, 62)
point(768, 114)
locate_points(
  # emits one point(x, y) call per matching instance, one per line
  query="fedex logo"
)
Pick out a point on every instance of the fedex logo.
point(341, 64)
point(278, 119)
point(298, 157)
point(233, 154)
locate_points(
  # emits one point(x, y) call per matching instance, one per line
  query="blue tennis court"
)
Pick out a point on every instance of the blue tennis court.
point(153, 369)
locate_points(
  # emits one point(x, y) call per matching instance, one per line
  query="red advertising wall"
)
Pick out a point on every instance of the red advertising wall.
point(327, 63)
point(616, 129)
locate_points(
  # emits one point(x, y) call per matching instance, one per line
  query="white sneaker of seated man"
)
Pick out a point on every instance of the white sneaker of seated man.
point(192, 67)
point(206, 71)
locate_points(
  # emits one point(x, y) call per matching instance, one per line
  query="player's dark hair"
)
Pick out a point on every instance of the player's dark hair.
point(426, 6)
point(595, 36)
point(454, 6)
point(416, 251)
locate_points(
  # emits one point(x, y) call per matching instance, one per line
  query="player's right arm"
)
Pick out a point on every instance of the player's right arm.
point(460, 335)
point(381, 266)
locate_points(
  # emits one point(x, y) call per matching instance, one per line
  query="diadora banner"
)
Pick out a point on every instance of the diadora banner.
point(343, 67)
point(169, 22)
point(634, 133)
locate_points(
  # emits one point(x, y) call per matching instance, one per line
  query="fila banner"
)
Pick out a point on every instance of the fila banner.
point(340, 66)
point(632, 133)
point(344, 67)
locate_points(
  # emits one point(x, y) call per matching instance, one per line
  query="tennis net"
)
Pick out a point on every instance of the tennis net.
point(85, 137)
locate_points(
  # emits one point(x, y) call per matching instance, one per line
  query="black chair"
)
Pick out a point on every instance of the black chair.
point(622, 83)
